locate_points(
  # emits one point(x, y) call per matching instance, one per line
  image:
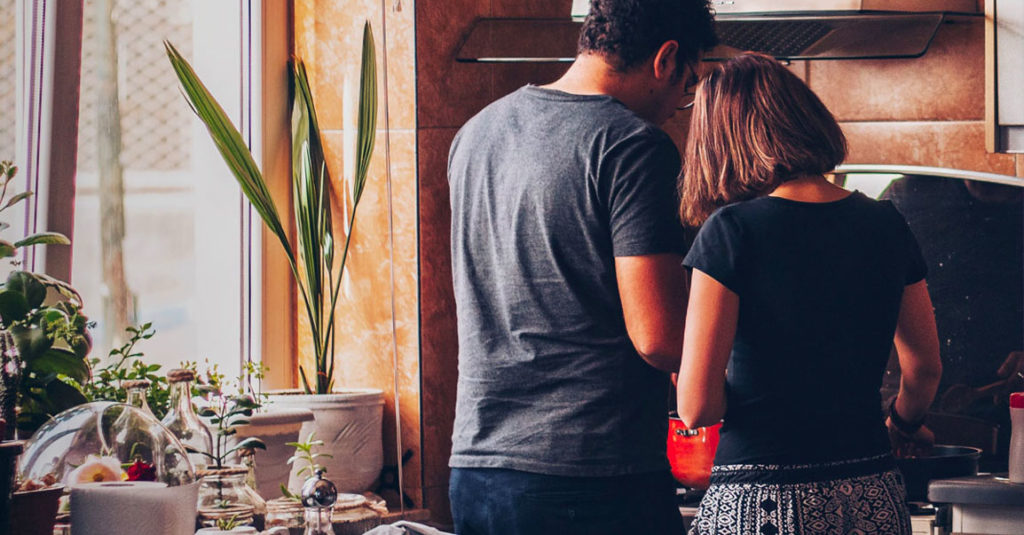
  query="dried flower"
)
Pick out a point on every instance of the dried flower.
point(141, 471)
point(96, 469)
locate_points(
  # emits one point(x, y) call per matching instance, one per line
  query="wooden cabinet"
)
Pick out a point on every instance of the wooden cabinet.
point(1004, 75)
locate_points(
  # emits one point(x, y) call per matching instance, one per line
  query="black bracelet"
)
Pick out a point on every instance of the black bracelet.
point(905, 427)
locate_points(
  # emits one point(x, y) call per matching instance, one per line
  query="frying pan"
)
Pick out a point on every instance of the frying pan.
point(943, 462)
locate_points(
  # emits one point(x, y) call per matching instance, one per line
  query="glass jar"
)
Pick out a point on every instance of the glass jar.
point(285, 512)
point(224, 494)
point(182, 420)
point(136, 394)
point(105, 441)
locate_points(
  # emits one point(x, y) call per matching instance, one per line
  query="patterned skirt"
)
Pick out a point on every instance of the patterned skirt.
point(860, 496)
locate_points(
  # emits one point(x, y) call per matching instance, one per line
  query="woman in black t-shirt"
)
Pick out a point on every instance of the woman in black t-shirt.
point(798, 293)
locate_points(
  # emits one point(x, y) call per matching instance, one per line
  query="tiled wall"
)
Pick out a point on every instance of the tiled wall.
point(924, 111)
point(328, 36)
point(449, 93)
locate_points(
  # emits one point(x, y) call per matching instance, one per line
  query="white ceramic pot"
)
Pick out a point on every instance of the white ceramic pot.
point(349, 422)
point(275, 426)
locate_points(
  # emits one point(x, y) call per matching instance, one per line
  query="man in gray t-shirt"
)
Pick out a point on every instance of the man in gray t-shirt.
point(566, 256)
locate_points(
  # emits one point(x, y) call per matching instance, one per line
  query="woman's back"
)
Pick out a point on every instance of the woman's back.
point(819, 287)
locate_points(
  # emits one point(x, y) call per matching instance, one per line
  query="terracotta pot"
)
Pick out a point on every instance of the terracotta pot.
point(34, 512)
point(691, 452)
point(9, 452)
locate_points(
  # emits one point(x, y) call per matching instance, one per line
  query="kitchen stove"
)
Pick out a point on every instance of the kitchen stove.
point(688, 499)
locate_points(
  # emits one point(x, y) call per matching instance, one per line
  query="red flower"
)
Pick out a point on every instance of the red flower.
point(141, 471)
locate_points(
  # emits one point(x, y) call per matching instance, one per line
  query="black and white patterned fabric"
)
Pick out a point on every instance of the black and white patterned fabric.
point(841, 498)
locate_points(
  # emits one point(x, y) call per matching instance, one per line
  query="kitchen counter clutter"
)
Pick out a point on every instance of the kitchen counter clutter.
point(982, 504)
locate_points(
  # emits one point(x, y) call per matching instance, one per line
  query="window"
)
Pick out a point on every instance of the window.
point(161, 232)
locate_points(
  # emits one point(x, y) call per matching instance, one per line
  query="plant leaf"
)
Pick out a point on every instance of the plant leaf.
point(16, 199)
point(250, 443)
point(43, 238)
point(60, 361)
point(63, 396)
point(13, 306)
point(230, 144)
point(29, 286)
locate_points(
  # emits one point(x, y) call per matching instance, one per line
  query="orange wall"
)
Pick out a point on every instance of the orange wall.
point(328, 36)
point(449, 93)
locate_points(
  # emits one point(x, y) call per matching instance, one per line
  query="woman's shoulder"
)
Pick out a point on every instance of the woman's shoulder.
point(883, 209)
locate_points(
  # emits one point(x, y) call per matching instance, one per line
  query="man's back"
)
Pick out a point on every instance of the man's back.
point(547, 189)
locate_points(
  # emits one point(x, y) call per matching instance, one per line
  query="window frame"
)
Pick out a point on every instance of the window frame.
point(53, 48)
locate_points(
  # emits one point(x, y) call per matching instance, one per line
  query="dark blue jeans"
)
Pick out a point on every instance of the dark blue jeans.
point(488, 501)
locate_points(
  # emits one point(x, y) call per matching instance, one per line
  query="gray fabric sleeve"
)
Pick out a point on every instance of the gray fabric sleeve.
point(642, 204)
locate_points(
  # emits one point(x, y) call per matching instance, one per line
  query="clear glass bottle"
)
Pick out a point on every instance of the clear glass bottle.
point(136, 391)
point(318, 497)
point(318, 521)
point(181, 418)
point(259, 504)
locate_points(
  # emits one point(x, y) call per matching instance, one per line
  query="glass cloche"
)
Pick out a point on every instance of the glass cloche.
point(105, 441)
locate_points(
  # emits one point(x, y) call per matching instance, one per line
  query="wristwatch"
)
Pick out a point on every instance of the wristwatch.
point(905, 427)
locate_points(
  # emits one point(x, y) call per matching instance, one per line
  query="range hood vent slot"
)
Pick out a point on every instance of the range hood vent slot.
point(834, 36)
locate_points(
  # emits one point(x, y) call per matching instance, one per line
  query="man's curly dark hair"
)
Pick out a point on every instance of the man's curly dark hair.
point(627, 32)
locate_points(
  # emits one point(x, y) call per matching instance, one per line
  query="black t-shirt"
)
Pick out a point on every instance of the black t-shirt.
point(819, 288)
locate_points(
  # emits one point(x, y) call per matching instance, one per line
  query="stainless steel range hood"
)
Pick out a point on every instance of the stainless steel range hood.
point(785, 29)
point(834, 29)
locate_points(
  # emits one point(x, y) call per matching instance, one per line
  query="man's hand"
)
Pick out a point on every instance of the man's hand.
point(1013, 370)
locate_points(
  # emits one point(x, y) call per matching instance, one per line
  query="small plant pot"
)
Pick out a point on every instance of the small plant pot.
point(223, 495)
point(34, 512)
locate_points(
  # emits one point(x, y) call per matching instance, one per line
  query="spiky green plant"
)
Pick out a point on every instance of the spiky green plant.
point(315, 267)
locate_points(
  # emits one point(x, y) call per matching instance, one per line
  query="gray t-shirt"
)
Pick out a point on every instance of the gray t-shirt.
point(547, 188)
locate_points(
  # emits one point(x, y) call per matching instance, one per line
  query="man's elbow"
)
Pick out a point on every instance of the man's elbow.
point(662, 353)
point(661, 359)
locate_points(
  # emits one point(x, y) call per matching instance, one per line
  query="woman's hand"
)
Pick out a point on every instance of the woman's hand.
point(916, 445)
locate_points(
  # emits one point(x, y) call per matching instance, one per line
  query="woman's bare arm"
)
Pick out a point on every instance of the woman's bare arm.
point(707, 342)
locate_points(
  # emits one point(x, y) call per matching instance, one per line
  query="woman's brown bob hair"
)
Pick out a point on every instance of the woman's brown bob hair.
point(754, 126)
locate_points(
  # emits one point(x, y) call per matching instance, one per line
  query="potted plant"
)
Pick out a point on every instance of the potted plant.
point(223, 492)
point(41, 374)
point(125, 363)
point(316, 268)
